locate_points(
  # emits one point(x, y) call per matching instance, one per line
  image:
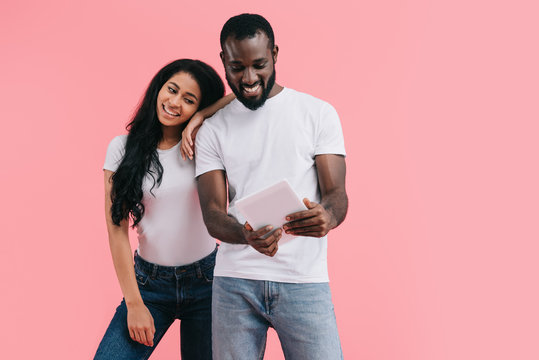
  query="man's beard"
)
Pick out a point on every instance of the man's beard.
point(255, 103)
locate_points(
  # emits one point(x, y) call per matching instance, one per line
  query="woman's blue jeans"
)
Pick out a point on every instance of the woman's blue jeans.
point(170, 293)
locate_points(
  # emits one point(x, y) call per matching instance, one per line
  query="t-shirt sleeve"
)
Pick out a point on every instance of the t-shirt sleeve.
point(329, 138)
point(207, 154)
point(115, 153)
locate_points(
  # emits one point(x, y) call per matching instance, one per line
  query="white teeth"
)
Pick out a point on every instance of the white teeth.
point(251, 90)
point(169, 112)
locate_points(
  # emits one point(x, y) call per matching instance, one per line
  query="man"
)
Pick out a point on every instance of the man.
point(267, 134)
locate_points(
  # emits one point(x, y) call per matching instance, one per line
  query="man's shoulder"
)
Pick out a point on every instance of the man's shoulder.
point(305, 98)
point(215, 124)
point(224, 112)
point(217, 119)
point(307, 104)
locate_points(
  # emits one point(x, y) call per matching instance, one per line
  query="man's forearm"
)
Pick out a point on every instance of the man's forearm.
point(336, 203)
point(224, 227)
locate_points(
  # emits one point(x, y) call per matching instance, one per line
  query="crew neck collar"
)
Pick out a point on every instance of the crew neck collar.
point(164, 151)
point(272, 100)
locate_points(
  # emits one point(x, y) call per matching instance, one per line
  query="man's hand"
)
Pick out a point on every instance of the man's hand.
point(267, 246)
point(316, 221)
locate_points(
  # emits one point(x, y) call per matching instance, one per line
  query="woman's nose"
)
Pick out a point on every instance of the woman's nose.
point(176, 101)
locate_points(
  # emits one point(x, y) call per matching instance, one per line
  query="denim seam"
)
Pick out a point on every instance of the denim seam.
point(262, 349)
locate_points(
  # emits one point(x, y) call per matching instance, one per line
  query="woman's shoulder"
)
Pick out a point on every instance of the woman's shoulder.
point(118, 141)
point(115, 152)
point(117, 144)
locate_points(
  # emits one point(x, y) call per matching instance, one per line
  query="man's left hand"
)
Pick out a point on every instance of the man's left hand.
point(316, 221)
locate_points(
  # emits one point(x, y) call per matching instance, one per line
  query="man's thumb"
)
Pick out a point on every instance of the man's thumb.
point(307, 203)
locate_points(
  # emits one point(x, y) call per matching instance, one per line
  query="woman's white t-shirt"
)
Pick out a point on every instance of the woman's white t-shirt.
point(172, 231)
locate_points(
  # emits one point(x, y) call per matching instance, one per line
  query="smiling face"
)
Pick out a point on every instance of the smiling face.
point(178, 100)
point(250, 68)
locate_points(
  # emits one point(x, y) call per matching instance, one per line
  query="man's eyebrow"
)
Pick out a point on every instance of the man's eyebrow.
point(259, 60)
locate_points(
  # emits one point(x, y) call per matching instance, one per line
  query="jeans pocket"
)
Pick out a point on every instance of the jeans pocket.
point(208, 275)
point(142, 277)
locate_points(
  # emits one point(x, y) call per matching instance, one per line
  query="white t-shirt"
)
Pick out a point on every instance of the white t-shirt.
point(171, 232)
point(258, 148)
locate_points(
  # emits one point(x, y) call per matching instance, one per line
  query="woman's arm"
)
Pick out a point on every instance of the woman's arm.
point(139, 319)
point(190, 131)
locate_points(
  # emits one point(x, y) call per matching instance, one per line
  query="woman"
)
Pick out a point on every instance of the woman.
point(147, 181)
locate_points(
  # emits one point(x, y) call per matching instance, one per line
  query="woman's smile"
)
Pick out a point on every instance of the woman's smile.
point(170, 112)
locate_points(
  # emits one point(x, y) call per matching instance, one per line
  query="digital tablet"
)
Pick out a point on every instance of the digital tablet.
point(270, 206)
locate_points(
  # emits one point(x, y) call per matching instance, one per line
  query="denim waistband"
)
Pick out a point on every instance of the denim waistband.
point(196, 268)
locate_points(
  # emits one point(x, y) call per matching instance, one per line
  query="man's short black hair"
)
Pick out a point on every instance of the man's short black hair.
point(246, 25)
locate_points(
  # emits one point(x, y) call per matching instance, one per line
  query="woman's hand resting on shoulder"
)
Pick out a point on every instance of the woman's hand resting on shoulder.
point(188, 136)
point(190, 131)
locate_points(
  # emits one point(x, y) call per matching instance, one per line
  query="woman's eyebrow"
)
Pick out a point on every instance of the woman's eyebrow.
point(193, 95)
point(188, 93)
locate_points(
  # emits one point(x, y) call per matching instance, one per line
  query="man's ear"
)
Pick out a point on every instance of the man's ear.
point(222, 56)
point(274, 53)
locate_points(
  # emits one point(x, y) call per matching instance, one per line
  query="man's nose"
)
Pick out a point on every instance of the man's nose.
point(249, 76)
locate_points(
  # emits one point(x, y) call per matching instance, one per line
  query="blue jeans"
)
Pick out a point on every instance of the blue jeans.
point(169, 292)
point(301, 314)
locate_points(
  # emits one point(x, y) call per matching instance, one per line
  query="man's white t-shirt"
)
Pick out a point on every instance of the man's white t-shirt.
point(172, 231)
point(258, 148)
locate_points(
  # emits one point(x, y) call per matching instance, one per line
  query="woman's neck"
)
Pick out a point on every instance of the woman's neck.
point(171, 136)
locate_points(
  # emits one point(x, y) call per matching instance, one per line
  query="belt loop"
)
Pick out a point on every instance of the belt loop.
point(154, 271)
point(199, 271)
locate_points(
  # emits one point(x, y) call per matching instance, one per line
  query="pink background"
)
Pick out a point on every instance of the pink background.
point(439, 103)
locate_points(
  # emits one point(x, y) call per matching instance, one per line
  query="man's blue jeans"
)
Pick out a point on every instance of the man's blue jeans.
point(301, 314)
point(182, 292)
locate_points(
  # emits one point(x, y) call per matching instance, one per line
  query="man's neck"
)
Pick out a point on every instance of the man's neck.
point(275, 90)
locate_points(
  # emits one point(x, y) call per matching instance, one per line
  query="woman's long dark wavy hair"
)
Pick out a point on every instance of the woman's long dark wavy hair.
point(145, 132)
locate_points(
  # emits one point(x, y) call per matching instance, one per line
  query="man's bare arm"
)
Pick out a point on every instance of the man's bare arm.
point(331, 178)
point(319, 219)
point(213, 202)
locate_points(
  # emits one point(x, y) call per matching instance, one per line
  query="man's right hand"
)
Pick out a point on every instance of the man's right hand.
point(267, 246)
